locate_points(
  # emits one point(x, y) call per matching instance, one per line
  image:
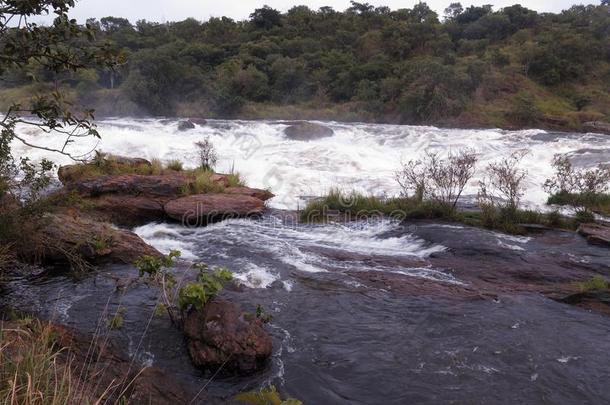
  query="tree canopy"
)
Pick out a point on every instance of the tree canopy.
point(406, 65)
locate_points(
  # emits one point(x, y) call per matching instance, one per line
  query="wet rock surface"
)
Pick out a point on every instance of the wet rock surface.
point(222, 337)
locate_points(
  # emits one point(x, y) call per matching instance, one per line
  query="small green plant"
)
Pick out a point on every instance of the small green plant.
point(175, 165)
point(196, 294)
point(117, 320)
point(262, 315)
point(266, 396)
point(100, 243)
point(177, 301)
point(595, 283)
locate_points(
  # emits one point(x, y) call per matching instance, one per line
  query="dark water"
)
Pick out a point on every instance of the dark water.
point(337, 341)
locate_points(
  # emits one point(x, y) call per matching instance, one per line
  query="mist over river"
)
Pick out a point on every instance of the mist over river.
point(376, 312)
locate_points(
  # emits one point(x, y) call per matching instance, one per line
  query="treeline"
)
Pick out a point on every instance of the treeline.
point(471, 66)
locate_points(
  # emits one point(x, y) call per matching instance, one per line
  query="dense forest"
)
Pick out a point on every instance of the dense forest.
point(472, 66)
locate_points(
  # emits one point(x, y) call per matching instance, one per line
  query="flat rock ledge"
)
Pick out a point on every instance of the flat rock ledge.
point(596, 234)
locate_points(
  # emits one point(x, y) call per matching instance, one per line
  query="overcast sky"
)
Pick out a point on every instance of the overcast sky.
point(175, 10)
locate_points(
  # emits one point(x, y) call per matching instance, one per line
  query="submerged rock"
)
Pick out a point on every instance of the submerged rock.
point(595, 233)
point(252, 192)
point(185, 125)
point(306, 131)
point(200, 209)
point(223, 336)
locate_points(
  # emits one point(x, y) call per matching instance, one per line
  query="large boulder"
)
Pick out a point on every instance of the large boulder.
point(201, 209)
point(597, 126)
point(221, 335)
point(166, 185)
point(307, 131)
point(252, 192)
point(595, 233)
point(66, 236)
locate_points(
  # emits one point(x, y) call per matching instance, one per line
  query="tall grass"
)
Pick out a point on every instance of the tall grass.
point(355, 205)
point(31, 371)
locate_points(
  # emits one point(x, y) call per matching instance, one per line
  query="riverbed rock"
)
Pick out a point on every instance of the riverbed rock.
point(307, 131)
point(223, 336)
point(185, 125)
point(201, 209)
point(252, 192)
point(595, 233)
point(65, 235)
point(597, 126)
point(166, 185)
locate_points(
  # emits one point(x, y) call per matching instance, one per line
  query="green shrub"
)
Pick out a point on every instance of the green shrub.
point(197, 294)
point(193, 295)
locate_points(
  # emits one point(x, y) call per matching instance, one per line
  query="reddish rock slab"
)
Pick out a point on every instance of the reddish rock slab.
point(91, 240)
point(127, 210)
point(596, 234)
point(167, 185)
point(252, 192)
point(223, 336)
point(201, 209)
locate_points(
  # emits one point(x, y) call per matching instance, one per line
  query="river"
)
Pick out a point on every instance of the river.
point(374, 312)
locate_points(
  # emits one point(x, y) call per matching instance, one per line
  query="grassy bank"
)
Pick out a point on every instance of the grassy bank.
point(347, 206)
